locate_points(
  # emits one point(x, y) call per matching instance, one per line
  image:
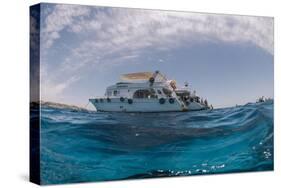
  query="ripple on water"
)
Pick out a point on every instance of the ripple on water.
point(93, 146)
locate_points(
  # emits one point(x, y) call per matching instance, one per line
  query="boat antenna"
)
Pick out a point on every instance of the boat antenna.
point(152, 78)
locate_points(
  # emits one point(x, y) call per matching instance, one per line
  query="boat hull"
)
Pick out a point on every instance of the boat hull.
point(143, 105)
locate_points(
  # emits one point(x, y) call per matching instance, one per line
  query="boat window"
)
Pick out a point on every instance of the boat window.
point(159, 92)
point(145, 93)
point(167, 92)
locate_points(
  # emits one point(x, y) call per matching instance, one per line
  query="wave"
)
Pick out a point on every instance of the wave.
point(99, 146)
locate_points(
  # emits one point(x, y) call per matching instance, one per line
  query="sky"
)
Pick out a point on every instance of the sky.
point(227, 59)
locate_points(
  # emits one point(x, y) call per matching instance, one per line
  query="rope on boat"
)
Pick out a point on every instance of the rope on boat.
point(87, 104)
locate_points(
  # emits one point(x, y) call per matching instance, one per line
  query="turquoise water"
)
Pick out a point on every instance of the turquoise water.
point(80, 146)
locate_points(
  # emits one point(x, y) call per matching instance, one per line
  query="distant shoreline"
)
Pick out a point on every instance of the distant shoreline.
point(58, 105)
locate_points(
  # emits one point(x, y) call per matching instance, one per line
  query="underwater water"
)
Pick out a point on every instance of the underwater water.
point(80, 146)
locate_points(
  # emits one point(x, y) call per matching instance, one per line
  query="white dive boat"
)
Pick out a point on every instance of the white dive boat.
point(148, 92)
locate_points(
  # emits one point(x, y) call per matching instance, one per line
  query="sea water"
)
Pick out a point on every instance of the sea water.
point(80, 146)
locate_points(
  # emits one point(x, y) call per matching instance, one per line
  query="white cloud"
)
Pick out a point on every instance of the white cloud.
point(129, 30)
point(61, 17)
point(52, 91)
point(112, 35)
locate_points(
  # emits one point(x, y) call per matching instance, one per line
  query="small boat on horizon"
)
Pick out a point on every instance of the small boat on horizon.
point(148, 92)
point(264, 99)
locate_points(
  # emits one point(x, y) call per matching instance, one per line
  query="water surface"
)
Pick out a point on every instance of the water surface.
point(79, 146)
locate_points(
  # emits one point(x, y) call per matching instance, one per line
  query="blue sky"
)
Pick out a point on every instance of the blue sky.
point(226, 59)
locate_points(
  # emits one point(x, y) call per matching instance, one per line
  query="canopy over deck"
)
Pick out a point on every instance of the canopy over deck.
point(142, 76)
point(137, 76)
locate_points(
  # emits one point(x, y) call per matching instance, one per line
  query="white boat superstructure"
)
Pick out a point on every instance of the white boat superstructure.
point(147, 92)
